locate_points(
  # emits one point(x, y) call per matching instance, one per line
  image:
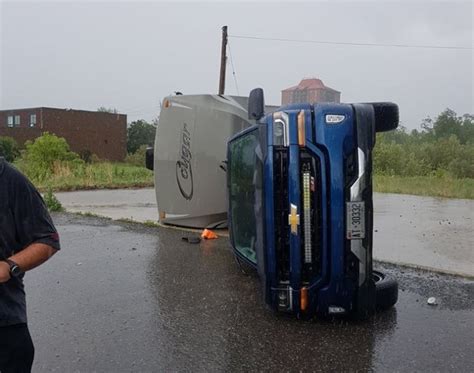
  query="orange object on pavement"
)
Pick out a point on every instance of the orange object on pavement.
point(208, 234)
point(304, 298)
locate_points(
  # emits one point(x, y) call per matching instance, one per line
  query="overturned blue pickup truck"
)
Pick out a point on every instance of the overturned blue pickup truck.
point(298, 201)
point(300, 205)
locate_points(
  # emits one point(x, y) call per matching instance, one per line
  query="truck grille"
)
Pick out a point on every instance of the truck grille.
point(311, 166)
point(282, 236)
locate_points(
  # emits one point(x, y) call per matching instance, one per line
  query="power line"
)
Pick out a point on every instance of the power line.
point(351, 43)
point(233, 70)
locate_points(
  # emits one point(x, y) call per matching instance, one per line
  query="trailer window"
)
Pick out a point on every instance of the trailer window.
point(244, 174)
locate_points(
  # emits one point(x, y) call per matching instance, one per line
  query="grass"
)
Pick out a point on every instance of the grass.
point(52, 202)
point(106, 175)
point(151, 223)
point(103, 175)
point(90, 215)
point(146, 223)
point(434, 186)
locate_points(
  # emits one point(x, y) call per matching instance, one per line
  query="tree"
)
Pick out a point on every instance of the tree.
point(397, 136)
point(448, 124)
point(104, 109)
point(139, 133)
point(9, 148)
point(467, 129)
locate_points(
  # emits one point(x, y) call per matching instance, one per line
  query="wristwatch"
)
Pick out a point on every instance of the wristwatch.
point(15, 269)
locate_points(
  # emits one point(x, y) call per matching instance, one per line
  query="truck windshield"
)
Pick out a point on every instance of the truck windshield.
point(245, 200)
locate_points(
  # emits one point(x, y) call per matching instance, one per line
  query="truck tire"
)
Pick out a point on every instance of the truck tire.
point(386, 290)
point(386, 116)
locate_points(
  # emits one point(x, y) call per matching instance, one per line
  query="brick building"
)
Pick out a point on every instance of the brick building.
point(310, 90)
point(100, 133)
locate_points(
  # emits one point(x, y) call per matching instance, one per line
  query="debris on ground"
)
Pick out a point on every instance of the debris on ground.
point(208, 234)
point(193, 240)
point(432, 301)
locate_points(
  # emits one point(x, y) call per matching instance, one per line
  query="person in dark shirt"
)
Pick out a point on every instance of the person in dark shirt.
point(27, 239)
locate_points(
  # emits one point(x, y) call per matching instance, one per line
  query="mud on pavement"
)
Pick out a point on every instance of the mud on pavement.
point(123, 297)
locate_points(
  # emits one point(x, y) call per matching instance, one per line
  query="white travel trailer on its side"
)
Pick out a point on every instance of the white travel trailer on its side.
point(189, 157)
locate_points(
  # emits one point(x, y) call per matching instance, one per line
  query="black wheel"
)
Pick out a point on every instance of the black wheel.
point(149, 157)
point(386, 116)
point(386, 290)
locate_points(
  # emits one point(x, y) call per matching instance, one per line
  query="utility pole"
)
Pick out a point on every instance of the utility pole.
point(223, 60)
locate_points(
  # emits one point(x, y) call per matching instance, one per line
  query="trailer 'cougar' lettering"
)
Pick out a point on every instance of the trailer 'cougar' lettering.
point(184, 171)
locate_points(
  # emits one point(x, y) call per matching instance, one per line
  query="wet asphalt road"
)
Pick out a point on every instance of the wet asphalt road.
point(127, 298)
point(425, 232)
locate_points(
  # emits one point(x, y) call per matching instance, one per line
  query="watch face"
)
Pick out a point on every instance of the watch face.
point(15, 270)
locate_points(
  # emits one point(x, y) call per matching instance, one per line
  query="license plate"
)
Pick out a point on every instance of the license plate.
point(355, 213)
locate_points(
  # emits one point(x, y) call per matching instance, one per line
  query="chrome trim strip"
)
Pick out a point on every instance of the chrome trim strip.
point(356, 196)
point(286, 130)
point(357, 187)
point(290, 290)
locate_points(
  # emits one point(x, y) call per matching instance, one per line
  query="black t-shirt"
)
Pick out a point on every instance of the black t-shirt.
point(24, 219)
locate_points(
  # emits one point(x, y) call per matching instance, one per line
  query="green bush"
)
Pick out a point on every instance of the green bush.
point(9, 148)
point(444, 147)
point(424, 159)
point(47, 153)
point(137, 158)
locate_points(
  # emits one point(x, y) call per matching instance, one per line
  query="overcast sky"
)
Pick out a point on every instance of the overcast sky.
point(129, 55)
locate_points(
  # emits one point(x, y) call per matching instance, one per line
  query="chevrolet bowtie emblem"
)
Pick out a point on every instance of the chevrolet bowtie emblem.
point(294, 219)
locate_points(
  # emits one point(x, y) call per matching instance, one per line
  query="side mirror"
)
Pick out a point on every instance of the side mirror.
point(149, 158)
point(256, 109)
point(386, 116)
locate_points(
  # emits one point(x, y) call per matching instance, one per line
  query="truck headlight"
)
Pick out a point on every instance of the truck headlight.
point(281, 134)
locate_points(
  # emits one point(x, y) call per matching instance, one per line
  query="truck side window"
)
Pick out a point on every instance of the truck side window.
point(242, 196)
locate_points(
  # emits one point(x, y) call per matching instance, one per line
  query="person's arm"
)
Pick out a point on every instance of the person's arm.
point(33, 256)
point(29, 258)
point(33, 225)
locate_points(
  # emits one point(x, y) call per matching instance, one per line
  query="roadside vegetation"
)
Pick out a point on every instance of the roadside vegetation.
point(52, 166)
point(9, 148)
point(52, 201)
point(435, 186)
point(437, 160)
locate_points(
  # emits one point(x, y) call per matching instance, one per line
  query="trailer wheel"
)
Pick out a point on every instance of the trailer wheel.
point(386, 290)
point(386, 116)
point(149, 157)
